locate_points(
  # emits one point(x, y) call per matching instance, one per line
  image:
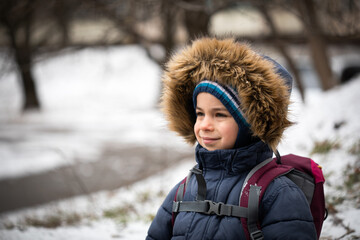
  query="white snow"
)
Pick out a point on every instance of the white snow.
point(89, 98)
point(95, 97)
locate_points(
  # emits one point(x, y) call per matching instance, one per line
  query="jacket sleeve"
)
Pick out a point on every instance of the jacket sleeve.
point(161, 227)
point(285, 212)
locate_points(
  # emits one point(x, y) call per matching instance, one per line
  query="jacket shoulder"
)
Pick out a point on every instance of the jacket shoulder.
point(286, 212)
point(161, 227)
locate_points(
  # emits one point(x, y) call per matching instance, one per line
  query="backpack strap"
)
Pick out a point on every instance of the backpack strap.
point(180, 192)
point(253, 190)
point(210, 208)
point(253, 213)
point(201, 205)
point(201, 193)
point(179, 196)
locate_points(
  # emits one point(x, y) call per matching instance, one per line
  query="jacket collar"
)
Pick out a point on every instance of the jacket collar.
point(233, 160)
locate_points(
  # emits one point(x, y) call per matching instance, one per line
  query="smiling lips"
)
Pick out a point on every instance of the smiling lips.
point(209, 140)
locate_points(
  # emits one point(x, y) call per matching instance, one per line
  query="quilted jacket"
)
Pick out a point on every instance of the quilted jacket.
point(284, 212)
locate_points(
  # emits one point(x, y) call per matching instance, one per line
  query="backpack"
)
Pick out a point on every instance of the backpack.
point(304, 172)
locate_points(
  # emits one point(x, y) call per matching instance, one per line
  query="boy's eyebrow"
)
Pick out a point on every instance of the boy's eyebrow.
point(214, 109)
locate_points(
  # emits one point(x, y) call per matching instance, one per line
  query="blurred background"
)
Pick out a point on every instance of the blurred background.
point(80, 83)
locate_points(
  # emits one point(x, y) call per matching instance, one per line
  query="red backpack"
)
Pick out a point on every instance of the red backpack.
point(304, 172)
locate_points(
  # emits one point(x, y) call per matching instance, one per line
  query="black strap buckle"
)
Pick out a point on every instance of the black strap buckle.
point(214, 208)
point(257, 235)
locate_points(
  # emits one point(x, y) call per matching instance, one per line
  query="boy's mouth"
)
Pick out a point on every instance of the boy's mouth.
point(209, 140)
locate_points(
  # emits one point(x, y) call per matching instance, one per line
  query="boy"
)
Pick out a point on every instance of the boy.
point(234, 103)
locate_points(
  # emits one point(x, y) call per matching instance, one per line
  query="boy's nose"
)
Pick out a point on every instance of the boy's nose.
point(207, 124)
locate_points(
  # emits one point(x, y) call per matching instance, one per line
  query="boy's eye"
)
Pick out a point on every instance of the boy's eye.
point(221, 115)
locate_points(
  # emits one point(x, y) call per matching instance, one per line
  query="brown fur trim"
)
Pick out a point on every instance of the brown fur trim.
point(263, 94)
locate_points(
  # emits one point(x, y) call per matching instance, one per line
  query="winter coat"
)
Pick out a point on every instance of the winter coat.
point(284, 212)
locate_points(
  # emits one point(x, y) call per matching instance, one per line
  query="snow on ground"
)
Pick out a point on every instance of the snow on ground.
point(133, 206)
point(94, 97)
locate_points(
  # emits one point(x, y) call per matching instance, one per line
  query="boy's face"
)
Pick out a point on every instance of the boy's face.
point(214, 128)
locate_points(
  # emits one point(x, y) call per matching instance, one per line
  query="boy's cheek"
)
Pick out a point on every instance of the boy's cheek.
point(196, 130)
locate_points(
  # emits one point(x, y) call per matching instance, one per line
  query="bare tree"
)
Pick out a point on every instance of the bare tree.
point(17, 19)
point(317, 43)
point(281, 45)
point(22, 21)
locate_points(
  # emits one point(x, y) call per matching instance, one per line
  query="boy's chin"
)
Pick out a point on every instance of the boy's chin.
point(212, 148)
point(209, 148)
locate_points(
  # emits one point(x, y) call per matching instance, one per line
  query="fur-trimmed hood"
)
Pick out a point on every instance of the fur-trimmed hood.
point(262, 88)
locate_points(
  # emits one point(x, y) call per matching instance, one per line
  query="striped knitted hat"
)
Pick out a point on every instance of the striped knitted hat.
point(230, 99)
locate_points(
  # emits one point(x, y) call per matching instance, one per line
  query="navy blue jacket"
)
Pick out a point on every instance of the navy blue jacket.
point(284, 212)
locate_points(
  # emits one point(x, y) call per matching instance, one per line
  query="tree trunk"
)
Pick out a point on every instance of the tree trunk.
point(280, 45)
point(23, 61)
point(317, 44)
point(321, 62)
point(62, 17)
point(169, 18)
point(21, 47)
